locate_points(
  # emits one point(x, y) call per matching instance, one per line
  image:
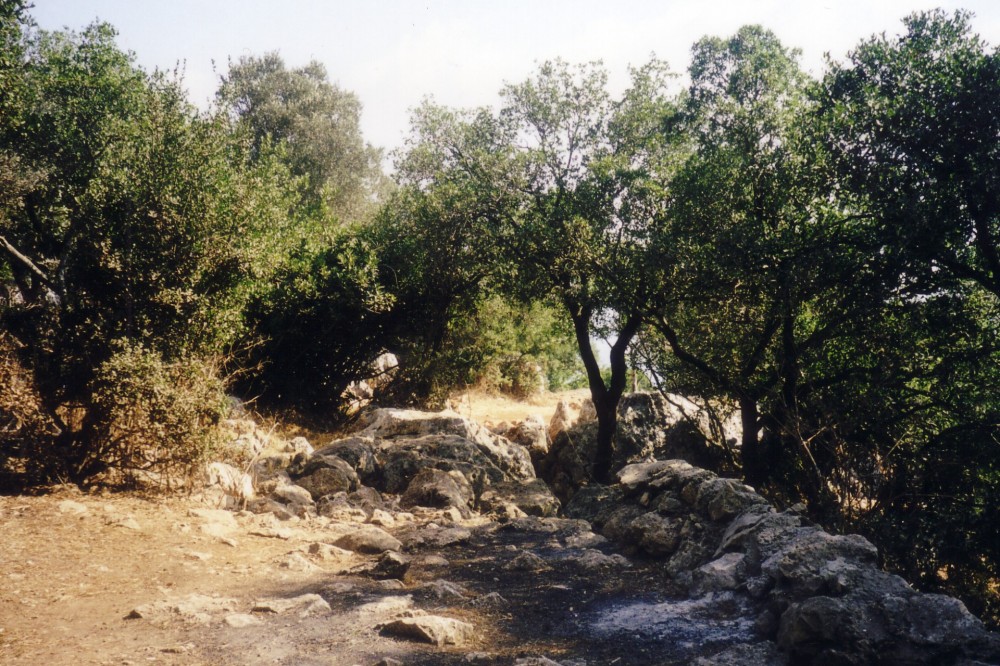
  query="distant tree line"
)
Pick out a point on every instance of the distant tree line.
point(820, 254)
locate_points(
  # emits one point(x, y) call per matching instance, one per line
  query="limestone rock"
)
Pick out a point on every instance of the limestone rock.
point(433, 629)
point(533, 497)
point(303, 605)
point(293, 494)
point(391, 565)
point(437, 489)
point(326, 475)
point(527, 561)
point(368, 539)
point(532, 434)
point(240, 620)
point(234, 483)
point(725, 573)
point(358, 452)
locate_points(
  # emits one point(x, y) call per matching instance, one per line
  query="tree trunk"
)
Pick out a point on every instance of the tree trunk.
point(606, 398)
point(750, 453)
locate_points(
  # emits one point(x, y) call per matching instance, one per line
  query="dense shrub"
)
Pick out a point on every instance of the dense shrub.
point(152, 422)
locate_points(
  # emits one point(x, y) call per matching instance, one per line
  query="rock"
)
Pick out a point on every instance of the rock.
point(533, 497)
point(303, 605)
point(240, 620)
point(653, 534)
point(74, 508)
point(564, 418)
point(725, 573)
point(433, 629)
point(235, 484)
point(594, 559)
point(527, 561)
point(389, 661)
point(725, 498)
point(437, 489)
point(817, 562)
point(326, 475)
point(325, 551)
point(368, 539)
point(299, 445)
point(408, 441)
point(272, 532)
point(584, 540)
point(194, 608)
point(649, 427)
point(748, 654)
point(296, 562)
point(339, 507)
point(532, 434)
point(265, 505)
point(293, 494)
point(446, 590)
point(358, 452)
point(391, 565)
point(536, 661)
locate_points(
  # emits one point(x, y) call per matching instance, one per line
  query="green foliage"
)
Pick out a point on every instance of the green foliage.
point(321, 324)
point(913, 124)
point(138, 222)
point(153, 422)
point(514, 348)
point(316, 123)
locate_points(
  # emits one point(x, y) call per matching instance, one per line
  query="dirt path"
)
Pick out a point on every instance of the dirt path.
point(75, 567)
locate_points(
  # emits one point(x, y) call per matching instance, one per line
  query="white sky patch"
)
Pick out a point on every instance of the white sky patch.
point(394, 53)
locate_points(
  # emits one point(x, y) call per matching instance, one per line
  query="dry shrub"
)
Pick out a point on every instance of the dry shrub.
point(26, 432)
point(153, 423)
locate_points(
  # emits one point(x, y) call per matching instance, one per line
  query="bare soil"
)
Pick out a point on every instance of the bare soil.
point(73, 568)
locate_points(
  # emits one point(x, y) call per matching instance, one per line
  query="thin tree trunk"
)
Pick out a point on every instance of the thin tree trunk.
point(750, 453)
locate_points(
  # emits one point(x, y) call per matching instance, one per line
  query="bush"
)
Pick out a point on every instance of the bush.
point(152, 423)
point(26, 433)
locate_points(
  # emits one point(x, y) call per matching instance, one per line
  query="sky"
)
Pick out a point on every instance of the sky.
point(395, 53)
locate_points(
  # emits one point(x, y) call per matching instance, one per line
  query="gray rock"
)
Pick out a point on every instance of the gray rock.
point(368, 539)
point(437, 489)
point(533, 497)
point(326, 475)
point(292, 494)
point(654, 534)
point(725, 573)
point(527, 561)
point(391, 565)
point(358, 452)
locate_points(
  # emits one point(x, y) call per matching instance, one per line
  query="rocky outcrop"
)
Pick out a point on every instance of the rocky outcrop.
point(650, 427)
point(818, 598)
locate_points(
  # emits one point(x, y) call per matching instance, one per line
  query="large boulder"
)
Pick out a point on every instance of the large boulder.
point(358, 452)
point(325, 475)
point(439, 490)
point(404, 442)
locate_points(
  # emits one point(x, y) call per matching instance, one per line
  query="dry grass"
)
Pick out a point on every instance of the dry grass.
point(492, 409)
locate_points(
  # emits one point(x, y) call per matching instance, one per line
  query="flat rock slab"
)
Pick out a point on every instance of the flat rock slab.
point(303, 605)
point(368, 539)
point(433, 629)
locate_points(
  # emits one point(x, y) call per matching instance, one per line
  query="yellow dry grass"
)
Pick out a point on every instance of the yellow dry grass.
point(490, 408)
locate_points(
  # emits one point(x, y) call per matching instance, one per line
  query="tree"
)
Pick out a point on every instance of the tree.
point(566, 180)
point(142, 230)
point(317, 123)
point(770, 268)
point(914, 125)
